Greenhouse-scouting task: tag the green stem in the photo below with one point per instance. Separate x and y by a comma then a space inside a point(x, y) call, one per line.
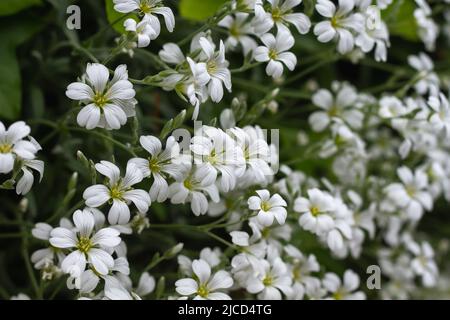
point(221, 240)
point(117, 50)
point(200, 228)
point(26, 257)
point(246, 67)
point(153, 264)
point(404, 90)
point(60, 213)
point(57, 290)
point(83, 130)
point(211, 22)
point(310, 69)
point(153, 57)
point(101, 135)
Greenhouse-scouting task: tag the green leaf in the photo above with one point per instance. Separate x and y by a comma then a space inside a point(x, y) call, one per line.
point(173, 124)
point(8, 184)
point(160, 287)
point(193, 10)
point(10, 87)
point(115, 18)
point(9, 7)
point(400, 19)
point(19, 30)
point(309, 7)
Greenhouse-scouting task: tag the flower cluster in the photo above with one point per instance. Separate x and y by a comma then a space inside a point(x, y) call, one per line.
point(92, 254)
point(18, 155)
point(149, 27)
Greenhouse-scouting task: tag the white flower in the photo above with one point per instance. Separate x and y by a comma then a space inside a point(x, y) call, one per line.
point(440, 117)
point(429, 81)
point(256, 153)
point(268, 207)
point(239, 32)
point(343, 291)
point(172, 54)
point(275, 52)
point(89, 246)
point(114, 290)
point(107, 104)
point(211, 256)
point(149, 9)
point(280, 13)
point(20, 296)
point(383, 4)
point(205, 286)
point(400, 273)
point(392, 107)
point(215, 152)
point(423, 264)
point(342, 139)
point(301, 269)
point(143, 31)
point(195, 87)
point(44, 259)
point(412, 194)
point(428, 30)
point(161, 165)
point(215, 69)
point(374, 37)
point(12, 145)
point(342, 22)
point(271, 279)
point(227, 118)
point(192, 188)
point(343, 222)
point(316, 211)
point(340, 107)
point(247, 261)
point(118, 191)
point(146, 285)
point(26, 181)
point(245, 5)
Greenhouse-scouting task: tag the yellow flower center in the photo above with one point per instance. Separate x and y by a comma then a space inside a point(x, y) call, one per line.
point(145, 7)
point(333, 111)
point(188, 184)
point(268, 280)
point(277, 15)
point(84, 244)
point(154, 166)
point(202, 291)
point(211, 66)
point(265, 233)
point(247, 154)
point(335, 22)
point(116, 192)
point(234, 30)
point(296, 273)
point(315, 211)
point(411, 191)
point(265, 206)
point(340, 140)
point(5, 148)
point(273, 54)
point(338, 295)
point(212, 158)
point(100, 99)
